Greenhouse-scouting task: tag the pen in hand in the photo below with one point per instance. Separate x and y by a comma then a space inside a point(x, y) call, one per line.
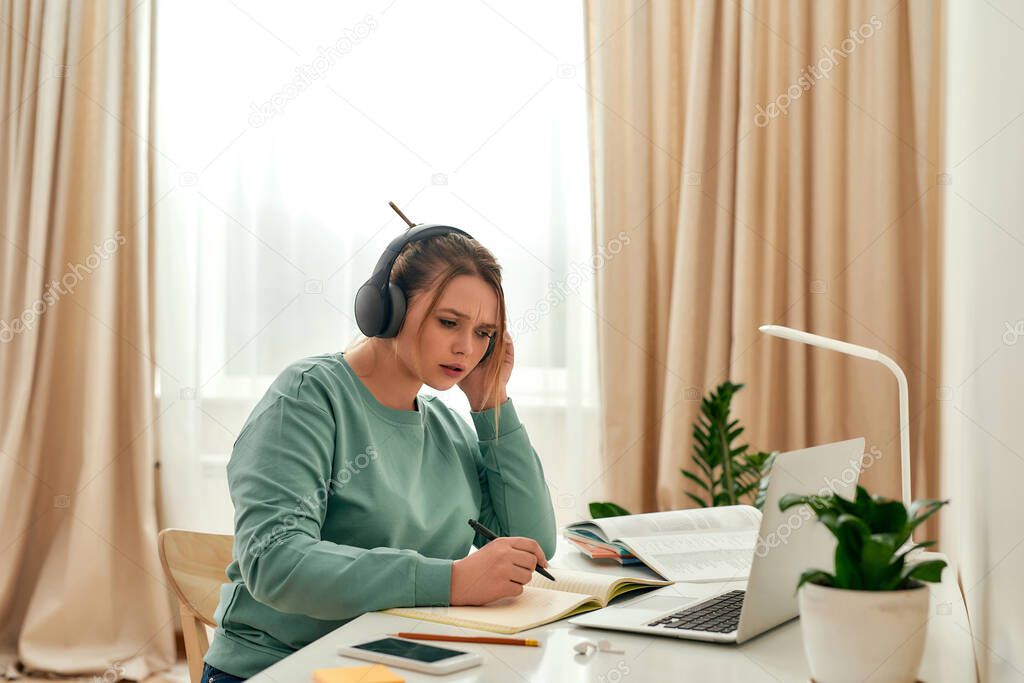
point(490, 536)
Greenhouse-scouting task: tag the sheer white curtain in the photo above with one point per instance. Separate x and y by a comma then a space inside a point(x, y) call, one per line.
point(281, 135)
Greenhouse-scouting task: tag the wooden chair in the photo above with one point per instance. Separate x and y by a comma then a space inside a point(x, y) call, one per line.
point(194, 564)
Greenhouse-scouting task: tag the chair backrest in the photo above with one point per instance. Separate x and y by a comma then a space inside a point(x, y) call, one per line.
point(194, 563)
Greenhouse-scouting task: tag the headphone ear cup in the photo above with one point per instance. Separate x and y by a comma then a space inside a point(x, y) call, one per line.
point(369, 311)
point(393, 325)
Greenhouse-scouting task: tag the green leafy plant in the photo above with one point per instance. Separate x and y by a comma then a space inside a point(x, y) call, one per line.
point(599, 509)
point(726, 473)
point(870, 531)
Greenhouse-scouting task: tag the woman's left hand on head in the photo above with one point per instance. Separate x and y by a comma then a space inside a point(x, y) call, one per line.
point(476, 385)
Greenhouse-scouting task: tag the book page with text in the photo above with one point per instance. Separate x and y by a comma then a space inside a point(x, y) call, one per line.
point(694, 519)
point(697, 555)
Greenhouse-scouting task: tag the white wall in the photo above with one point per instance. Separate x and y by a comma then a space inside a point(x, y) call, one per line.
point(983, 405)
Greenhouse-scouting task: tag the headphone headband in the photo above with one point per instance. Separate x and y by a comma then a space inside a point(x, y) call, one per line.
point(382, 271)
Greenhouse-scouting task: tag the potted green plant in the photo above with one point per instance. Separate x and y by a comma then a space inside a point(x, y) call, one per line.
point(867, 617)
point(727, 472)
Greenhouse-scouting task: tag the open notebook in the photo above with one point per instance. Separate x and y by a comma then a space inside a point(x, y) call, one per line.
point(699, 544)
point(541, 602)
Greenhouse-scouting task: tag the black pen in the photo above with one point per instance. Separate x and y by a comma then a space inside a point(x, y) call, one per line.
point(490, 536)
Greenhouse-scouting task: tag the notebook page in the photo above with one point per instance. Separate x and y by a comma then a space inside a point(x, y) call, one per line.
point(573, 581)
point(670, 521)
point(600, 586)
point(697, 555)
point(507, 615)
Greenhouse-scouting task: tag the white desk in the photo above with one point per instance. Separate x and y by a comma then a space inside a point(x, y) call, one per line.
point(777, 655)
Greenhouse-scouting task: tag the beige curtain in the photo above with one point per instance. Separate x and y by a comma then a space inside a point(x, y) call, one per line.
point(757, 190)
point(81, 589)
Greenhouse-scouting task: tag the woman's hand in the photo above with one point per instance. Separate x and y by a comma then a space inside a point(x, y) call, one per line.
point(475, 383)
point(498, 570)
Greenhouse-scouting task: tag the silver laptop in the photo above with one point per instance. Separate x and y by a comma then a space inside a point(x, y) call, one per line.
point(788, 543)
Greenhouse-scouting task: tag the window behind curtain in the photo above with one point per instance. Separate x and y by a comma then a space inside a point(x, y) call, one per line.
point(283, 130)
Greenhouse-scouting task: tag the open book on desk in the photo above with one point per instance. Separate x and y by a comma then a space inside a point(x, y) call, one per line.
point(699, 544)
point(541, 602)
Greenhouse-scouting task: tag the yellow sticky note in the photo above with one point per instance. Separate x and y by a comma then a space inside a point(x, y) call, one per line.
point(372, 673)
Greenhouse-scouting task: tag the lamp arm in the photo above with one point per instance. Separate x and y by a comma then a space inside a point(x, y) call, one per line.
point(866, 353)
point(904, 391)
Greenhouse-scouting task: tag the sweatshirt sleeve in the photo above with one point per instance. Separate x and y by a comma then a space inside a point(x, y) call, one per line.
point(516, 501)
point(281, 461)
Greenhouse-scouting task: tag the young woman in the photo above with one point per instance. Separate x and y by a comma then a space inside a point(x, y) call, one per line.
point(352, 492)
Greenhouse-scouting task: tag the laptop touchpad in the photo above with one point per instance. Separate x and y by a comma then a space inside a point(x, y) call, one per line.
point(658, 604)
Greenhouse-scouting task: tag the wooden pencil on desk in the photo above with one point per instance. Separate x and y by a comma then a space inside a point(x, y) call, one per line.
point(490, 640)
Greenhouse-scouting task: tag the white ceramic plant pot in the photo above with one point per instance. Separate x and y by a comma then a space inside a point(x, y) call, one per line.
point(856, 636)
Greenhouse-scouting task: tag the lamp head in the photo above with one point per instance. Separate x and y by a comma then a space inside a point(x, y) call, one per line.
point(821, 342)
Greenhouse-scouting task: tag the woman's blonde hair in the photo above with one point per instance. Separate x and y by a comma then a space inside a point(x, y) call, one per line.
point(433, 263)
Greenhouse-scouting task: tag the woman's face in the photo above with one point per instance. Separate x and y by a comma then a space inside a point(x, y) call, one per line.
point(455, 336)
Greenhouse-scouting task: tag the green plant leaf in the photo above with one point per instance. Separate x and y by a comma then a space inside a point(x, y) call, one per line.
point(600, 509)
point(919, 512)
point(925, 506)
point(792, 499)
point(817, 576)
point(922, 510)
point(892, 577)
point(766, 474)
point(723, 498)
point(852, 532)
point(887, 517)
point(821, 505)
point(846, 506)
point(745, 489)
point(704, 466)
point(863, 502)
point(922, 544)
point(930, 570)
point(876, 558)
point(745, 477)
point(697, 480)
point(830, 518)
point(699, 501)
point(847, 570)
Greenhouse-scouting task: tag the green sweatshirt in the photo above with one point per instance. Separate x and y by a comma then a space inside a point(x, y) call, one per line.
point(345, 506)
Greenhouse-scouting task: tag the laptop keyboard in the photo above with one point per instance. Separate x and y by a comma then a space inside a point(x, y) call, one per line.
point(720, 614)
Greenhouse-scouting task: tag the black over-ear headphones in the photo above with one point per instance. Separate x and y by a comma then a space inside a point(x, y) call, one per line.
point(380, 303)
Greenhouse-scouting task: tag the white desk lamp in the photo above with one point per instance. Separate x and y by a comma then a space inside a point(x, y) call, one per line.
point(870, 354)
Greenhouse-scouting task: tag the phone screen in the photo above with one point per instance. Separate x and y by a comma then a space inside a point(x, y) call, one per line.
point(409, 650)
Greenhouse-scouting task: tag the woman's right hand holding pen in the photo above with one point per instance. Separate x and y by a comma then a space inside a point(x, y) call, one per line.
point(498, 570)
